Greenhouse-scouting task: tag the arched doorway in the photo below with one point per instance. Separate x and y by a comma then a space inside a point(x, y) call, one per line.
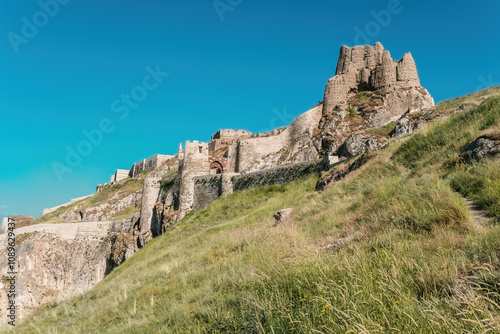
point(217, 166)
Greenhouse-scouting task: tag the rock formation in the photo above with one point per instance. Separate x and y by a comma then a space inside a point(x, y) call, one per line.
point(369, 90)
point(57, 261)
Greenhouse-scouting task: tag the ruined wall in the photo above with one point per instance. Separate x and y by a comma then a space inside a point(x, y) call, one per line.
point(210, 187)
point(276, 175)
point(217, 164)
point(224, 138)
point(150, 191)
point(120, 174)
point(194, 163)
point(49, 210)
point(251, 151)
point(293, 145)
point(149, 164)
point(206, 190)
point(369, 68)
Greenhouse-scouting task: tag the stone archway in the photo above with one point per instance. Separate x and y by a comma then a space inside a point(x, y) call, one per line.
point(217, 166)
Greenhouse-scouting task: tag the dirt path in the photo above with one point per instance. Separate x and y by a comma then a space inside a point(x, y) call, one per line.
point(478, 215)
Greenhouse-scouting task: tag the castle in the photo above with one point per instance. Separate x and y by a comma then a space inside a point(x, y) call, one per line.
point(369, 90)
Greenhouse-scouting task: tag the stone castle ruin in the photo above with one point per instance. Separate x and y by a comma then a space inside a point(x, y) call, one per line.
point(369, 90)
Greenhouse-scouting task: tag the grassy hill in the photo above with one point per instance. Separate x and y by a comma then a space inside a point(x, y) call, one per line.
point(393, 247)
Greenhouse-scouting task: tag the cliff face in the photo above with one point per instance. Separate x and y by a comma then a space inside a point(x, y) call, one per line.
point(57, 261)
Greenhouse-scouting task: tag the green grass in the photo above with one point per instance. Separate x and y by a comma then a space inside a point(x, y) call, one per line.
point(476, 97)
point(350, 112)
point(481, 183)
point(442, 142)
point(411, 260)
point(383, 131)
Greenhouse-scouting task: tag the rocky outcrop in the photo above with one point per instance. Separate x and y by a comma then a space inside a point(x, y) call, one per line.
point(482, 148)
point(57, 261)
point(359, 143)
point(339, 172)
point(369, 90)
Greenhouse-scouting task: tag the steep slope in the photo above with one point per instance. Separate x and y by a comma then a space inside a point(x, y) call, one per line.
point(390, 248)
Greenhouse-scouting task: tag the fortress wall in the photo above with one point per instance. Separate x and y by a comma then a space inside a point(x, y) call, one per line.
point(121, 174)
point(150, 192)
point(251, 151)
point(50, 210)
point(206, 190)
point(166, 195)
point(194, 163)
point(275, 175)
point(305, 123)
point(148, 164)
point(223, 138)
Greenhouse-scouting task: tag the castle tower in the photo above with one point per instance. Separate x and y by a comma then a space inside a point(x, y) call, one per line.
point(150, 191)
point(195, 163)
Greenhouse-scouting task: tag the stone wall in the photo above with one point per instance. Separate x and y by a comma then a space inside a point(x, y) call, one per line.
point(224, 138)
point(276, 175)
point(148, 164)
point(150, 191)
point(249, 152)
point(50, 210)
point(371, 68)
point(293, 145)
point(208, 188)
point(193, 163)
point(120, 174)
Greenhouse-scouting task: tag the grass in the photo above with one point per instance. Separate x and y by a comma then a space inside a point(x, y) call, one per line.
point(413, 261)
point(384, 131)
point(481, 183)
point(126, 186)
point(474, 98)
point(350, 113)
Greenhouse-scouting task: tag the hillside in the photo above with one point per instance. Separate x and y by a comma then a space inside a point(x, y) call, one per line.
point(406, 243)
point(112, 202)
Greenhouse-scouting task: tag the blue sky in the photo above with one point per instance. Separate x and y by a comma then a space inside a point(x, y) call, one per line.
point(247, 64)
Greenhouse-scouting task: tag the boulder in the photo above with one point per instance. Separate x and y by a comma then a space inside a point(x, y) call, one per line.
point(481, 148)
point(283, 216)
point(360, 143)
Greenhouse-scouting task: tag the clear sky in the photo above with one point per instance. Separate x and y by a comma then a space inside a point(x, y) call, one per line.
point(150, 74)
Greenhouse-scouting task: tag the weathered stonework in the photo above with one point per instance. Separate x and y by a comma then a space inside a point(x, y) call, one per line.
point(193, 163)
point(148, 165)
point(369, 90)
point(150, 191)
point(57, 261)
